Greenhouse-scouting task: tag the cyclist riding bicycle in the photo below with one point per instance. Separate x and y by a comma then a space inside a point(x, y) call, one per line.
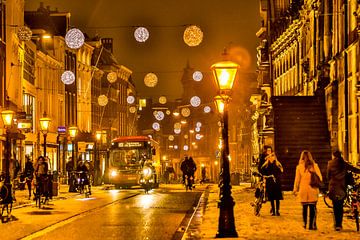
point(188, 167)
point(84, 174)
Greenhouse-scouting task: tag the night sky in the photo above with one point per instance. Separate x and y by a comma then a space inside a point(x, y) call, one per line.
point(228, 23)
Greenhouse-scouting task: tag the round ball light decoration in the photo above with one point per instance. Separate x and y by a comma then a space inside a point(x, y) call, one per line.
point(186, 136)
point(68, 77)
point(177, 130)
point(74, 38)
point(186, 147)
point(171, 137)
point(198, 136)
point(197, 76)
point(111, 77)
point(159, 115)
point(24, 33)
point(150, 80)
point(197, 129)
point(141, 34)
point(130, 99)
point(177, 125)
point(168, 112)
point(132, 109)
point(156, 126)
point(176, 146)
point(193, 36)
point(207, 109)
point(198, 124)
point(103, 100)
point(185, 112)
point(162, 100)
point(195, 101)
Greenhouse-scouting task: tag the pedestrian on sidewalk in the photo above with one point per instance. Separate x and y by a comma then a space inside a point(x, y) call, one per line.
point(29, 173)
point(273, 185)
point(307, 194)
point(69, 168)
point(336, 174)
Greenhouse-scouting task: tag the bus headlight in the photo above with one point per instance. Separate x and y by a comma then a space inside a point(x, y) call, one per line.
point(147, 172)
point(113, 173)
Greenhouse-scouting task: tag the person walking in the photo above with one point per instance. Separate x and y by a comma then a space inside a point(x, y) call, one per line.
point(29, 173)
point(69, 168)
point(188, 167)
point(307, 194)
point(336, 172)
point(273, 185)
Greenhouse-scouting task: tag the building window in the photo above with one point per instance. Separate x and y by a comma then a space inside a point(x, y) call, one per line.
point(29, 65)
point(29, 108)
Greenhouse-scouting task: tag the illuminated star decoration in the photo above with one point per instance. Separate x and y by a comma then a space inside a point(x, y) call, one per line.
point(24, 33)
point(195, 101)
point(185, 112)
point(207, 109)
point(103, 100)
point(159, 115)
point(68, 77)
point(193, 36)
point(141, 34)
point(130, 99)
point(74, 38)
point(111, 77)
point(150, 80)
point(197, 76)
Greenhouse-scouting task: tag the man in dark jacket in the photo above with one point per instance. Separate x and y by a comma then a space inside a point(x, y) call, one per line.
point(188, 167)
point(29, 173)
point(336, 171)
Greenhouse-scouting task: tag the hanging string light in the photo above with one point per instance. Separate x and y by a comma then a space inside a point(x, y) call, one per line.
point(197, 76)
point(207, 109)
point(68, 77)
point(185, 112)
point(150, 80)
point(162, 100)
point(130, 99)
point(74, 38)
point(103, 100)
point(111, 77)
point(156, 126)
point(141, 34)
point(24, 33)
point(193, 36)
point(195, 101)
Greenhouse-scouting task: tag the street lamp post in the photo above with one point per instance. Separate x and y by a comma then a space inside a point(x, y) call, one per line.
point(7, 117)
point(98, 136)
point(224, 74)
point(72, 132)
point(44, 128)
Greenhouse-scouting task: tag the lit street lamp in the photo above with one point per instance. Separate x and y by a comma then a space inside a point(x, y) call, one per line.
point(72, 132)
point(44, 128)
point(224, 75)
point(7, 117)
point(98, 136)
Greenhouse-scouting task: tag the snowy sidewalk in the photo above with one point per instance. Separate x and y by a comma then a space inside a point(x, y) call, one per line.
point(287, 226)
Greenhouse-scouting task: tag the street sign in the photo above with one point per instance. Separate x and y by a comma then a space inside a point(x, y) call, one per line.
point(62, 130)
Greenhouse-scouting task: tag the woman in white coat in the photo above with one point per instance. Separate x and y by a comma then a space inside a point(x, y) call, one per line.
point(307, 194)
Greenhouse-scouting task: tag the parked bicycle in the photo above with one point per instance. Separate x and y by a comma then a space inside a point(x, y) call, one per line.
point(260, 192)
point(6, 199)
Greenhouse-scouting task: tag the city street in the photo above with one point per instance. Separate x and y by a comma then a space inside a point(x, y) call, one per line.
point(108, 214)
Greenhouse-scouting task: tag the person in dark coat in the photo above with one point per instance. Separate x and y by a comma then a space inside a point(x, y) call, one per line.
point(336, 171)
point(267, 151)
point(29, 173)
point(273, 186)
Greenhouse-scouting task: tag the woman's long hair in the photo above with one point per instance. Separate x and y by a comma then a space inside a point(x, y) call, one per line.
point(307, 159)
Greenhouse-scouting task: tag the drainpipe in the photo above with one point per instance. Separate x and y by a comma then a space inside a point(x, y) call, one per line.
point(346, 98)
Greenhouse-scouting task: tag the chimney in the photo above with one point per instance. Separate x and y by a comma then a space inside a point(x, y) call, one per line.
point(107, 43)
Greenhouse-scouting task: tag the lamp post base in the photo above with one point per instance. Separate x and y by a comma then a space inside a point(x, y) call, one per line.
point(226, 227)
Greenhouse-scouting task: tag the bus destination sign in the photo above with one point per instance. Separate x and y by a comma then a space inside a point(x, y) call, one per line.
point(130, 144)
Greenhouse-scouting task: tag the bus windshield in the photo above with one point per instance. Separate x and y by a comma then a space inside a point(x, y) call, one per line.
point(127, 157)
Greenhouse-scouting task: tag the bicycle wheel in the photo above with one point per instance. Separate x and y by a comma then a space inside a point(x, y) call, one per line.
point(327, 200)
point(257, 207)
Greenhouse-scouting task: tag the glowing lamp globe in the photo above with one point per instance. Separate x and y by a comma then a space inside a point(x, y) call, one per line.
point(198, 124)
point(176, 146)
point(103, 100)
point(207, 109)
point(130, 99)
point(111, 77)
point(7, 117)
point(159, 115)
point(185, 112)
point(224, 74)
point(141, 34)
point(195, 101)
point(219, 102)
point(197, 76)
point(186, 147)
point(177, 130)
point(193, 36)
point(150, 80)
point(197, 129)
point(171, 138)
point(156, 126)
point(162, 100)
point(186, 136)
point(68, 77)
point(132, 109)
point(24, 33)
point(74, 38)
